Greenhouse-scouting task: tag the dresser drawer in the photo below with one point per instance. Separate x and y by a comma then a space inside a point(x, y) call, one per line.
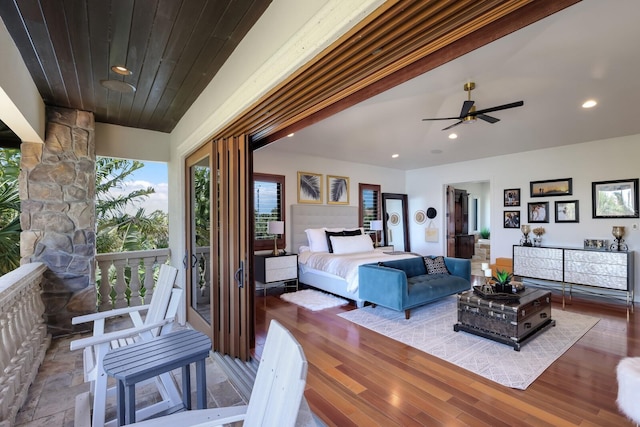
point(279, 274)
point(269, 268)
point(282, 261)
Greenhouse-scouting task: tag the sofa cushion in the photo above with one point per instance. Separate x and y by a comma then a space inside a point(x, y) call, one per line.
point(433, 286)
point(436, 265)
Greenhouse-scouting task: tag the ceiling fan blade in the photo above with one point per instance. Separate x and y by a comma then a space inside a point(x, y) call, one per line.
point(442, 118)
point(453, 125)
point(498, 108)
point(486, 118)
point(466, 107)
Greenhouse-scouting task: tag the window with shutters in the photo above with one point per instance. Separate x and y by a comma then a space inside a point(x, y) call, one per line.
point(269, 205)
point(370, 205)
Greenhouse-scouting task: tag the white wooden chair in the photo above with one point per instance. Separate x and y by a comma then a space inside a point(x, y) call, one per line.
point(159, 320)
point(275, 397)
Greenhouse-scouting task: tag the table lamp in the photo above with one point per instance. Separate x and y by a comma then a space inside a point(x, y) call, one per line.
point(376, 225)
point(276, 228)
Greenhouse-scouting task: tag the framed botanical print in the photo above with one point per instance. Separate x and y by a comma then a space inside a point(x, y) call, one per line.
point(309, 187)
point(337, 190)
point(538, 211)
point(567, 211)
point(615, 199)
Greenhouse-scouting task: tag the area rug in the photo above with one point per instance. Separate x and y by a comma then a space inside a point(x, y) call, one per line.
point(313, 300)
point(430, 329)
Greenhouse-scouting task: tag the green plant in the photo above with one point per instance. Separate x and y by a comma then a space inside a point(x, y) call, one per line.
point(502, 277)
point(484, 233)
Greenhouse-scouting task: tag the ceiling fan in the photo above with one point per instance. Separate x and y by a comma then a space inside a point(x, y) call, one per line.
point(468, 114)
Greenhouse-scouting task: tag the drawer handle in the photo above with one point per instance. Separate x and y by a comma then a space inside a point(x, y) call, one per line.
point(536, 303)
point(543, 315)
point(527, 325)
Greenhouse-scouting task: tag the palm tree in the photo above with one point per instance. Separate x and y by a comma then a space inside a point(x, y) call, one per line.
point(9, 210)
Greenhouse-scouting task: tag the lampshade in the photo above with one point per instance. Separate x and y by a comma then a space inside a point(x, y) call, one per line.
point(275, 227)
point(376, 225)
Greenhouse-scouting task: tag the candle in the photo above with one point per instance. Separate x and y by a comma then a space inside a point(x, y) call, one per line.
point(485, 265)
point(487, 272)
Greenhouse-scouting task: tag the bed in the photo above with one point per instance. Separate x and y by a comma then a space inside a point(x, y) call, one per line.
point(337, 272)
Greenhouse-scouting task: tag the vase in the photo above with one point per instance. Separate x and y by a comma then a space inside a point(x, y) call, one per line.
point(537, 241)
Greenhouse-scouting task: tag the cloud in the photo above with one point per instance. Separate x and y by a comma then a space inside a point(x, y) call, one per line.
point(156, 201)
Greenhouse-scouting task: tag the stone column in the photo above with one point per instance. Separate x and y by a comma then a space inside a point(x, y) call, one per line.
point(57, 192)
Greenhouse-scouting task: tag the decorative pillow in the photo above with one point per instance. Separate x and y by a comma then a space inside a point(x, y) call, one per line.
point(328, 233)
point(351, 244)
point(317, 239)
point(436, 265)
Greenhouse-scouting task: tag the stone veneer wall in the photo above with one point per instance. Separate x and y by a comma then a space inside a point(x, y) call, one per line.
point(57, 192)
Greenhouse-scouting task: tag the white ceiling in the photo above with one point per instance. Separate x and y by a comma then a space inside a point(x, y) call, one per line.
point(589, 50)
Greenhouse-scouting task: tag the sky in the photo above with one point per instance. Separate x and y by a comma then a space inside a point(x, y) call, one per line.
point(153, 174)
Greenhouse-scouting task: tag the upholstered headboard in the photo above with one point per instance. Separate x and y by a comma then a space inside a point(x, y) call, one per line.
point(318, 216)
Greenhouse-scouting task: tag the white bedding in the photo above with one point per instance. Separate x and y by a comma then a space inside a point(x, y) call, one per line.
point(345, 265)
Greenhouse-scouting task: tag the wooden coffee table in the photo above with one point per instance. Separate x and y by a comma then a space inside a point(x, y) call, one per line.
point(511, 323)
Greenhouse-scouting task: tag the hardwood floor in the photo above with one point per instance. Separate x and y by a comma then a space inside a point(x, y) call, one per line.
point(360, 378)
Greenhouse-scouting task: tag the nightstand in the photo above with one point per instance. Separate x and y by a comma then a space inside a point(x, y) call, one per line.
point(273, 269)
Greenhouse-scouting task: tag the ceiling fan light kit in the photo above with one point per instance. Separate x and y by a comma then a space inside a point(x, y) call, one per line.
point(469, 114)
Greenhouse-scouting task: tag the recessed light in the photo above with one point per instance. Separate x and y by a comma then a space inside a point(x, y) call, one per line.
point(395, 156)
point(123, 71)
point(453, 136)
point(290, 135)
point(589, 103)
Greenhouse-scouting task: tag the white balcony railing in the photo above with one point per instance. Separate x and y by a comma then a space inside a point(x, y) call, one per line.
point(130, 277)
point(23, 336)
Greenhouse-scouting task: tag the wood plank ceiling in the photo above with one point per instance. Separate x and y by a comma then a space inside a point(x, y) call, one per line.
point(173, 48)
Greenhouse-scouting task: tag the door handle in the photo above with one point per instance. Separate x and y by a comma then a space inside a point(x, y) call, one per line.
point(194, 260)
point(239, 276)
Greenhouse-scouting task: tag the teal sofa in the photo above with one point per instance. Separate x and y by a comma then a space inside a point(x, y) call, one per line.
point(404, 284)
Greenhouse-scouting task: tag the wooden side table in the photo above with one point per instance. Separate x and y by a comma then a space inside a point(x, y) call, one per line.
point(146, 359)
point(273, 269)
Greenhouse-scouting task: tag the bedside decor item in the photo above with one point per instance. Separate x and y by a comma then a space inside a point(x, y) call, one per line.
point(526, 229)
point(538, 231)
point(619, 244)
point(376, 225)
point(309, 187)
point(276, 228)
point(615, 199)
point(337, 190)
point(552, 187)
point(512, 197)
point(538, 211)
point(511, 219)
point(567, 211)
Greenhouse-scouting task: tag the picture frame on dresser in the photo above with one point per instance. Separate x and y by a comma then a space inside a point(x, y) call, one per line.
point(615, 199)
point(567, 211)
point(538, 212)
point(552, 187)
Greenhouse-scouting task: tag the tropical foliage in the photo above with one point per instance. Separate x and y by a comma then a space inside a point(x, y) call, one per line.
point(310, 186)
point(9, 210)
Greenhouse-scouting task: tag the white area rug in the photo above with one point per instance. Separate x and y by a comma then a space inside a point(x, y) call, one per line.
point(313, 300)
point(430, 329)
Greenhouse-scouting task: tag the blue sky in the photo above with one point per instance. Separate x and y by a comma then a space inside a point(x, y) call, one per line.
point(153, 174)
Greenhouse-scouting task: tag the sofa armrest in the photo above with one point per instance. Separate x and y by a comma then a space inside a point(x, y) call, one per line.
point(459, 267)
point(382, 285)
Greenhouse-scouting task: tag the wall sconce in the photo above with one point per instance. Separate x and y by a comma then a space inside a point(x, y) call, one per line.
point(618, 245)
point(276, 228)
point(376, 225)
point(526, 229)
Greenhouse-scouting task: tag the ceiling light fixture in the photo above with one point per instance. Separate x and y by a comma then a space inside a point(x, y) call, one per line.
point(290, 135)
point(123, 71)
point(395, 156)
point(453, 135)
point(589, 103)
point(118, 86)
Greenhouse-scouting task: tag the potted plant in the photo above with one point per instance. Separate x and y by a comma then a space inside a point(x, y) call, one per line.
point(502, 279)
point(485, 233)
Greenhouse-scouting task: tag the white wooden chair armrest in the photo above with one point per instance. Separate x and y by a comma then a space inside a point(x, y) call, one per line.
point(106, 314)
point(110, 336)
point(198, 417)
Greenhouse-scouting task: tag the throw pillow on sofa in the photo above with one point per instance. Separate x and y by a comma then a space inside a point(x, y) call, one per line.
point(436, 265)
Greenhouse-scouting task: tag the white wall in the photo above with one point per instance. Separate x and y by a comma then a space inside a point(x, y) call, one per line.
point(271, 160)
point(603, 160)
point(131, 143)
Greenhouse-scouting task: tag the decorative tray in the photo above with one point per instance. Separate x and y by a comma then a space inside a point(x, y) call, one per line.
point(498, 296)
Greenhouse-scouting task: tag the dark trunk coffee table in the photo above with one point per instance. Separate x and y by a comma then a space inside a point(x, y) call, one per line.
point(511, 323)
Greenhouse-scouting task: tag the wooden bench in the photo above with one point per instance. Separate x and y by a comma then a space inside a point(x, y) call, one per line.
point(147, 359)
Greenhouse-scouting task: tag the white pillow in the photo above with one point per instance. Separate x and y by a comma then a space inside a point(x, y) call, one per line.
point(317, 239)
point(351, 244)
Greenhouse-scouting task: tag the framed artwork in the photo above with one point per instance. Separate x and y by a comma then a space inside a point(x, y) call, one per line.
point(511, 219)
point(309, 187)
point(615, 199)
point(512, 197)
point(337, 190)
point(567, 211)
point(538, 211)
point(552, 187)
